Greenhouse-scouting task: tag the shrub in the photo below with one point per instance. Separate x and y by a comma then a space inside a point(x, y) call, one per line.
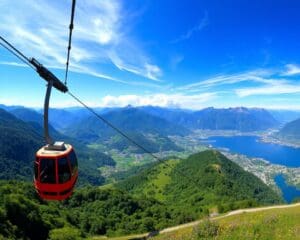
point(207, 229)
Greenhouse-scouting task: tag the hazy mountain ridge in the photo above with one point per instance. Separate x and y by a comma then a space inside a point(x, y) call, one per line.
point(238, 118)
point(163, 122)
point(148, 125)
point(285, 116)
point(290, 131)
point(135, 123)
point(241, 119)
point(18, 144)
point(35, 119)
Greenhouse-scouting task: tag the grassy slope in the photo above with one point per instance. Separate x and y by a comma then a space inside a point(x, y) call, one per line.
point(151, 182)
point(155, 186)
point(268, 224)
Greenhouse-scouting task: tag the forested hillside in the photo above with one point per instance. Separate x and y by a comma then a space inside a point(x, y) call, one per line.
point(18, 144)
point(203, 182)
point(90, 211)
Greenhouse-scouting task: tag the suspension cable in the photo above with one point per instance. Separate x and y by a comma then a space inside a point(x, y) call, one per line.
point(129, 138)
point(70, 39)
point(15, 52)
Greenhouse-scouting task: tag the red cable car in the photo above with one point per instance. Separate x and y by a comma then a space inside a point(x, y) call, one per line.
point(55, 167)
point(55, 171)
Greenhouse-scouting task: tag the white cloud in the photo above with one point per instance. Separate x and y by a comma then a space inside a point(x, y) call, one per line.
point(152, 71)
point(175, 61)
point(40, 29)
point(16, 64)
point(291, 69)
point(142, 68)
point(162, 100)
point(258, 76)
point(273, 89)
point(202, 24)
point(260, 82)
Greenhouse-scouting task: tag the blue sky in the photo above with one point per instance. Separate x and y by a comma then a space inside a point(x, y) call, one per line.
point(188, 54)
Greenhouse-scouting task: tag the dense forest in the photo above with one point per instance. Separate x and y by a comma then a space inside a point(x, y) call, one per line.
point(89, 211)
point(133, 205)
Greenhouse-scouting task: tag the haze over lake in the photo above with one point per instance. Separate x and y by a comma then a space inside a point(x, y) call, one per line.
point(251, 146)
point(288, 192)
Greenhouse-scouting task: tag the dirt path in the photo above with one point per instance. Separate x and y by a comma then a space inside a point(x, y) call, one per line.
point(235, 212)
point(191, 224)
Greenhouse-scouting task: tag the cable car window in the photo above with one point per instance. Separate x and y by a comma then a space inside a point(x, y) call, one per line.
point(73, 161)
point(36, 170)
point(64, 174)
point(47, 170)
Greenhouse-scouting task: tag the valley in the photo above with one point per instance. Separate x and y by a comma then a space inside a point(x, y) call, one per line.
point(199, 141)
point(192, 180)
point(162, 135)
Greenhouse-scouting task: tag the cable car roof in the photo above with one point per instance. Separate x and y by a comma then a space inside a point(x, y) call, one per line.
point(44, 152)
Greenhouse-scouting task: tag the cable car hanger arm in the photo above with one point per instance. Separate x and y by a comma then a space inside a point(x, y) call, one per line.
point(48, 76)
point(46, 111)
point(53, 81)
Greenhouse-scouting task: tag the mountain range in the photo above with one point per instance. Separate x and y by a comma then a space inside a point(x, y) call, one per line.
point(149, 125)
point(164, 122)
point(170, 121)
point(240, 118)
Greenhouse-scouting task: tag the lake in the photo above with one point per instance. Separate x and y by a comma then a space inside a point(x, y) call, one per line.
point(252, 147)
point(274, 153)
point(288, 192)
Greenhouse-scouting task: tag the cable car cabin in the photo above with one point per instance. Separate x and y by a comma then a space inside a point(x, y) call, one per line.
point(55, 171)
